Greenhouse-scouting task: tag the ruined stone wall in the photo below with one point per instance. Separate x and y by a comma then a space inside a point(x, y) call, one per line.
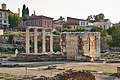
point(80, 44)
point(71, 45)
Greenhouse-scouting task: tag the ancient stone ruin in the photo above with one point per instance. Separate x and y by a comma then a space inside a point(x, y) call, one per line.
point(70, 75)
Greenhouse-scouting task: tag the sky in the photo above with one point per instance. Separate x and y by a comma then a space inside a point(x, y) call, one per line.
point(68, 8)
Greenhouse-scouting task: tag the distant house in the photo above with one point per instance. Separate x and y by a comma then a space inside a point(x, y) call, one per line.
point(4, 23)
point(58, 24)
point(105, 24)
point(83, 22)
point(72, 23)
point(40, 21)
point(75, 23)
point(116, 25)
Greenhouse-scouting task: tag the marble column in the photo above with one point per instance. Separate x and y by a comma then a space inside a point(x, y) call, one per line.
point(51, 41)
point(27, 41)
point(43, 41)
point(35, 41)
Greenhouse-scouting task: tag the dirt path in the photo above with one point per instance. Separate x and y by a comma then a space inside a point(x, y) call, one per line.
point(108, 68)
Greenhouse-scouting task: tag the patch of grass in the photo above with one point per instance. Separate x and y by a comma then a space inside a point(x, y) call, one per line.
point(115, 75)
point(115, 58)
point(6, 76)
point(6, 55)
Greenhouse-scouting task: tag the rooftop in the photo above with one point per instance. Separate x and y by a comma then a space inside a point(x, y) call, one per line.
point(76, 19)
point(40, 16)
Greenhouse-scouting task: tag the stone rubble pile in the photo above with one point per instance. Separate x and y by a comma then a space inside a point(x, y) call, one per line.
point(70, 75)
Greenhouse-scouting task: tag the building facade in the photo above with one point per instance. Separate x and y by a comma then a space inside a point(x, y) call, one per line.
point(104, 24)
point(4, 23)
point(40, 21)
point(75, 23)
point(83, 22)
point(76, 45)
point(72, 23)
point(58, 24)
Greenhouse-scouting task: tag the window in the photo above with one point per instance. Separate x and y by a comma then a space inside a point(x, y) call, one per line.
point(5, 21)
point(86, 23)
point(50, 22)
point(81, 23)
point(34, 23)
point(23, 23)
point(26, 23)
point(38, 23)
point(0, 14)
point(5, 15)
point(45, 22)
point(30, 23)
point(104, 27)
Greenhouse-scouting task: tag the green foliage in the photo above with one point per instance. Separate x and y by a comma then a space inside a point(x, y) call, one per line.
point(65, 30)
point(99, 17)
point(56, 33)
point(14, 20)
point(110, 30)
point(25, 12)
point(95, 18)
point(9, 33)
point(56, 49)
point(115, 42)
point(104, 33)
point(25, 17)
point(98, 29)
point(6, 76)
point(10, 40)
point(73, 30)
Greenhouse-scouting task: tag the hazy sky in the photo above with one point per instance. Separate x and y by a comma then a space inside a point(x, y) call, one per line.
point(68, 8)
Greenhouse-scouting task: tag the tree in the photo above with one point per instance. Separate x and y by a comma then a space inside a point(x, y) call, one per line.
point(10, 40)
point(25, 12)
point(94, 29)
point(115, 42)
point(95, 18)
point(101, 16)
point(61, 18)
point(14, 20)
point(98, 29)
point(90, 18)
point(110, 30)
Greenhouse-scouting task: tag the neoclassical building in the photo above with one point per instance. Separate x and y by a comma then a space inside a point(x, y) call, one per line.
point(4, 23)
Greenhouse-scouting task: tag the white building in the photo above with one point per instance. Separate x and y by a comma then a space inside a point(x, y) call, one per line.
point(83, 22)
point(4, 23)
point(105, 24)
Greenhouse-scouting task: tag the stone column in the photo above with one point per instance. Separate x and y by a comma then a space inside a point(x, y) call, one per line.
point(27, 41)
point(35, 41)
point(43, 41)
point(51, 41)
